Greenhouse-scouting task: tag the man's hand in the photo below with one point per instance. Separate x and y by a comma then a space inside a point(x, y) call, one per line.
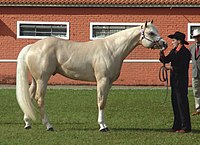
point(169, 68)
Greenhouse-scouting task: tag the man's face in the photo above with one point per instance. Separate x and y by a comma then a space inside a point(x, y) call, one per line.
point(175, 43)
point(197, 39)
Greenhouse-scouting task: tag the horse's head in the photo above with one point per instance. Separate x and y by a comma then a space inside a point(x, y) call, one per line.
point(150, 37)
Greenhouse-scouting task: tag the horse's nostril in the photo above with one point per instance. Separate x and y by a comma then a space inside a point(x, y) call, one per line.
point(165, 44)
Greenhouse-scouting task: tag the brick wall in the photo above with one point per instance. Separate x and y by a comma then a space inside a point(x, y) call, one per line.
point(165, 19)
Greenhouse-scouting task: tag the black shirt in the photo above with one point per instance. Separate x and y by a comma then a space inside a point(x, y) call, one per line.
point(179, 61)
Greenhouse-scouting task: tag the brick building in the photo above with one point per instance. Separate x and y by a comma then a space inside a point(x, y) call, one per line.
point(24, 22)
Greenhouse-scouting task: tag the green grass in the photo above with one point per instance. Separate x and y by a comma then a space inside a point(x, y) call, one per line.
point(137, 117)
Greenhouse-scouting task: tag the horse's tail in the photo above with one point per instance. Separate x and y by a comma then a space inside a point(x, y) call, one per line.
point(22, 85)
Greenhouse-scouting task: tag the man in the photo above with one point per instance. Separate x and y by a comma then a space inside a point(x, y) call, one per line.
point(179, 57)
point(194, 49)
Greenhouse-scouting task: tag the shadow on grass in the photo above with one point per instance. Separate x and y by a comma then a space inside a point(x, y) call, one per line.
point(130, 130)
point(73, 123)
point(150, 130)
point(10, 123)
point(73, 128)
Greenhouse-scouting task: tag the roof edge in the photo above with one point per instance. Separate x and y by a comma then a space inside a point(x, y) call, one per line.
point(102, 5)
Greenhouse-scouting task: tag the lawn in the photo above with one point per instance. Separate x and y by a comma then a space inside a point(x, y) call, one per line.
point(134, 116)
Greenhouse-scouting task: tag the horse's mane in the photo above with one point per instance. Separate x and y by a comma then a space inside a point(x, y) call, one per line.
point(123, 31)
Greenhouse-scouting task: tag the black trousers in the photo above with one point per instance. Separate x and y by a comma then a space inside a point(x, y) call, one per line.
point(180, 104)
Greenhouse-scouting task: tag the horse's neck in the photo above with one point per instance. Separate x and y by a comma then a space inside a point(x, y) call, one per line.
point(124, 42)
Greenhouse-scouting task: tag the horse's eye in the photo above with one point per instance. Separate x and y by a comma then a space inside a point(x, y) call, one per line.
point(152, 33)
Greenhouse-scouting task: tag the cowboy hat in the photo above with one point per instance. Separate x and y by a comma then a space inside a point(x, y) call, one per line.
point(196, 32)
point(179, 36)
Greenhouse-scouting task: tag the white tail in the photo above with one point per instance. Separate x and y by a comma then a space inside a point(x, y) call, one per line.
point(22, 85)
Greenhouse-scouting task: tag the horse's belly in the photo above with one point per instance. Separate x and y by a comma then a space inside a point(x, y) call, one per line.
point(79, 76)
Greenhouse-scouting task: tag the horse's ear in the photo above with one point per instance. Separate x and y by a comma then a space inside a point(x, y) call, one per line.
point(145, 24)
point(151, 21)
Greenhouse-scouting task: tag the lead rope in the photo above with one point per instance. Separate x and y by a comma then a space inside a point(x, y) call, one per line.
point(163, 77)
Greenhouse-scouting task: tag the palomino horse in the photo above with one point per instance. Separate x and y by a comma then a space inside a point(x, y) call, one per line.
point(97, 61)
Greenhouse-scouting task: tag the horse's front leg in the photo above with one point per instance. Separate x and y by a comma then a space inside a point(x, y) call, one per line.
point(103, 87)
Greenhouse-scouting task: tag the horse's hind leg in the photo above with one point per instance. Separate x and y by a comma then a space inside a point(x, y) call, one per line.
point(103, 87)
point(32, 91)
point(40, 93)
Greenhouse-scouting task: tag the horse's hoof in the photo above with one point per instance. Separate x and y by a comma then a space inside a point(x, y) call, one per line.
point(104, 129)
point(107, 129)
point(50, 129)
point(27, 127)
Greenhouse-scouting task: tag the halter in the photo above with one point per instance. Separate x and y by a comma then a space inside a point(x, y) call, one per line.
point(154, 42)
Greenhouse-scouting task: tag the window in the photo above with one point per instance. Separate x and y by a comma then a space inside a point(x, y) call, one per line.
point(191, 27)
point(101, 30)
point(39, 30)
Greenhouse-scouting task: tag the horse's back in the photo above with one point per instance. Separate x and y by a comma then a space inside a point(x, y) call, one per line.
point(58, 45)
